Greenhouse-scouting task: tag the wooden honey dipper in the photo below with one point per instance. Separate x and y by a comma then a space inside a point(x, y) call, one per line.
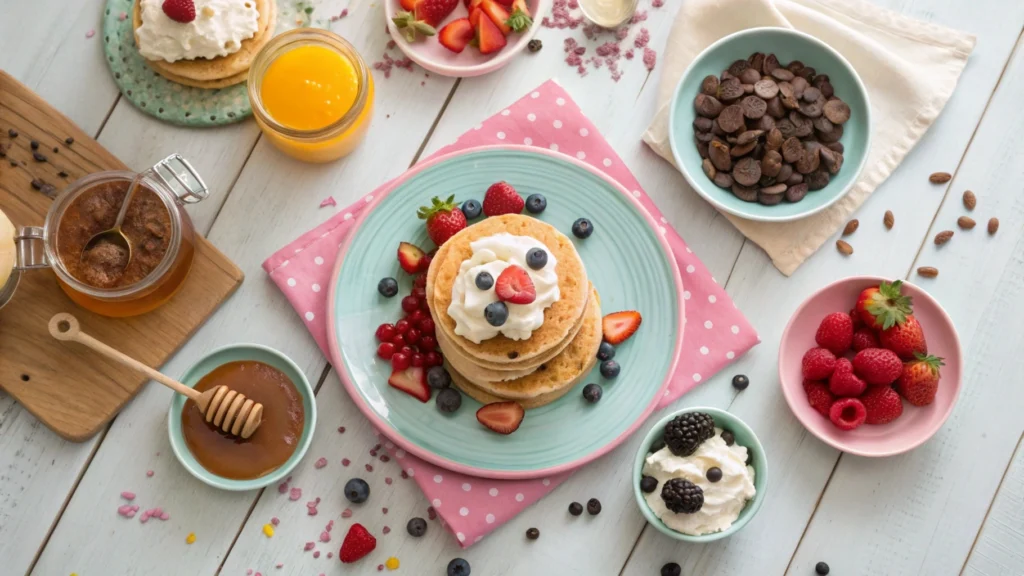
point(228, 410)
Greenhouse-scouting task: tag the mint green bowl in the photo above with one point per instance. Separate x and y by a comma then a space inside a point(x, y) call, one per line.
point(744, 437)
point(219, 357)
point(787, 45)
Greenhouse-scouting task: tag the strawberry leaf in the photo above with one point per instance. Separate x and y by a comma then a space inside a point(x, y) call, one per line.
point(519, 21)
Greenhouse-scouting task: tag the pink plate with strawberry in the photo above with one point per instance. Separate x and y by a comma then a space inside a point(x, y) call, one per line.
point(871, 367)
point(463, 38)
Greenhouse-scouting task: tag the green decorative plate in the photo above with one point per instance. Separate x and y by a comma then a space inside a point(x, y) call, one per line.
point(627, 259)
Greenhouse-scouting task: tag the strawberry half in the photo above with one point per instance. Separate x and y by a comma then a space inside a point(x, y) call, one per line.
point(424, 18)
point(489, 40)
point(455, 36)
point(498, 15)
point(410, 257)
point(501, 197)
point(619, 326)
point(501, 417)
point(183, 11)
point(412, 381)
point(515, 286)
point(444, 219)
point(357, 544)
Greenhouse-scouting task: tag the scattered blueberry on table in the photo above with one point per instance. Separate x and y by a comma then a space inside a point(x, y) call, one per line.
point(416, 527)
point(740, 382)
point(671, 569)
point(357, 490)
point(575, 509)
point(458, 567)
point(821, 568)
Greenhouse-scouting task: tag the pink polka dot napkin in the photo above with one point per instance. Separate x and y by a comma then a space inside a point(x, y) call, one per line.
point(715, 334)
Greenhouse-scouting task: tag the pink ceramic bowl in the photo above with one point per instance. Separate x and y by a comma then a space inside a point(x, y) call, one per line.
point(431, 55)
point(917, 424)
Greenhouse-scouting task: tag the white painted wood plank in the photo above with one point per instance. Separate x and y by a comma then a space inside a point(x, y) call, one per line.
point(273, 201)
point(999, 550)
point(800, 464)
point(927, 506)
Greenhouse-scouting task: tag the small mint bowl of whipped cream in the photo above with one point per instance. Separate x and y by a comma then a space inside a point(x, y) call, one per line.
point(700, 475)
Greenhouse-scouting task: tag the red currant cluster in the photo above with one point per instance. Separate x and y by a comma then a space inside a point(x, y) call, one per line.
point(411, 340)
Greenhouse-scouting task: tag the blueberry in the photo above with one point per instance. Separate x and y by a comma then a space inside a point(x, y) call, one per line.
point(537, 258)
point(416, 527)
point(496, 313)
point(438, 378)
point(387, 287)
point(728, 437)
point(484, 281)
point(593, 506)
point(610, 368)
point(605, 352)
point(536, 203)
point(458, 567)
point(592, 393)
point(472, 209)
point(448, 400)
point(671, 569)
point(714, 474)
point(582, 228)
point(575, 509)
point(740, 382)
point(821, 568)
point(648, 484)
point(357, 490)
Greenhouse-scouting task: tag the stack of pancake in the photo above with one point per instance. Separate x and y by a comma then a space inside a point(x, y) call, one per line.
point(557, 356)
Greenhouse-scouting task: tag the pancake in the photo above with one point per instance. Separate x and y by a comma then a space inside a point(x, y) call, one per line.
point(559, 318)
point(221, 71)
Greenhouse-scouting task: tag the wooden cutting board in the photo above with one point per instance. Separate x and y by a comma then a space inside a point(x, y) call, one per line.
point(71, 390)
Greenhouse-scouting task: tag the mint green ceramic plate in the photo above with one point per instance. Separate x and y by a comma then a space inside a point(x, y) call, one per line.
point(204, 366)
point(787, 45)
point(627, 259)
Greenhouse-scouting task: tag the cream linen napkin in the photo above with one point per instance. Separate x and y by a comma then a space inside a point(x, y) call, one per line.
point(880, 44)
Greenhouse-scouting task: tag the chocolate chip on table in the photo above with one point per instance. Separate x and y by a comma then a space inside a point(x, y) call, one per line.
point(709, 85)
point(837, 111)
point(11, 132)
point(38, 157)
point(33, 144)
point(62, 174)
point(753, 107)
point(575, 509)
point(940, 177)
point(844, 247)
point(535, 45)
point(745, 193)
point(56, 150)
point(532, 533)
point(746, 172)
point(928, 271)
point(671, 569)
point(993, 226)
point(36, 184)
point(796, 192)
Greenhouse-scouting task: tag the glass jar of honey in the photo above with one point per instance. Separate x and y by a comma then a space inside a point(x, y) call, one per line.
point(113, 278)
point(311, 94)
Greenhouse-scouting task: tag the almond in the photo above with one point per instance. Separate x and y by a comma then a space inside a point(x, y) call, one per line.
point(844, 247)
point(888, 220)
point(993, 225)
point(943, 237)
point(940, 177)
point(965, 222)
point(928, 271)
point(970, 201)
point(851, 227)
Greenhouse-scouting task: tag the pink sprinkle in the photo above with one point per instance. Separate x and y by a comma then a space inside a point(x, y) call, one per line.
point(629, 54)
point(344, 13)
point(294, 493)
point(642, 38)
point(90, 33)
point(275, 521)
point(122, 16)
point(373, 452)
point(345, 461)
point(316, 553)
point(279, 565)
point(330, 525)
point(346, 513)
point(423, 82)
point(638, 16)
point(391, 44)
point(431, 513)
point(621, 33)
point(658, 3)
point(258, 574)
point(384, 510)
point(330, 554)
point(580, 51)
point(388, 480)
point(282, 487)
point(309, 546)
point(321, 462)
point(405, 475)
point(380, 567)
point(369, 468)
point(329, 201)
point(341, 429)
point(325, 536)
point(248, 572)
point(128, 495)
point(165, 516)
point(650, 58)
point(573, 4)
point(127, 510)
point(385, 458)
point(149, 473)
point(385, 529)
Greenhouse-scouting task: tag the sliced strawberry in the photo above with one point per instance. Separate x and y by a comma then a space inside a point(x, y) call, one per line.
point(408, 5)
point(410, 257)
point(474, 18)
point(498, 15)
point(357, 544)
point(505, 3)
point(501, 417)
point(515, 286)
point(618, 326)
point(520, 5)
point(519, 20)
point(489, 38)
point(455, 36)
point(412, 381)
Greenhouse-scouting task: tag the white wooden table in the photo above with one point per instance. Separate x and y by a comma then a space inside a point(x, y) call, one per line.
point(954, 505)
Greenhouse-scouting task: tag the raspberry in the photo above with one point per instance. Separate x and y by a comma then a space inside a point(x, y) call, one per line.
point(882, 405)
point(857, 321)
point(847, 413)
point(819, 396)
point(385, 332)
point(863, 338)
point(835, 333)
point(877, 366)
point(844, 382)
point(818, 364)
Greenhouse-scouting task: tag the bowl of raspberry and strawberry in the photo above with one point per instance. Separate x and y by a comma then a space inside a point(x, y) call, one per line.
point(871, 366)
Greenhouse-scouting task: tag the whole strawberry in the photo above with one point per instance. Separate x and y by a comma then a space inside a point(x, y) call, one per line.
point(502, 198)
point(818, 364)
point(835, 332)
point(857, 322)
point(863, 338)
point(844, 382)
point(920, 380)
point(883, 306)
point(906, 339)
point(183, 11)
point(877, 366)
point(424, 18)
point(883, 405)
point(444, 219)
point(818, 396)
point(357, 544)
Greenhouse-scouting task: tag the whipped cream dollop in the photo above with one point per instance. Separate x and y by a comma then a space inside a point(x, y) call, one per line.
point(219, 28)
point(723, 500)
point(492, 254)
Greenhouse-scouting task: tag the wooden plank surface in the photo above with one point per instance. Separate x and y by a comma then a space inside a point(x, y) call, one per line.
point(999, 549)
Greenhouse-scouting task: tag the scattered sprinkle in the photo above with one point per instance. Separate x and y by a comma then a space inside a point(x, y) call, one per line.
point(122, 16)
point(346, 513)
point(330, 555)
point(128, 495)
point(90, 33)
point(325, 536)
point(341, 429)
point(380, 567)
point(320, 463)
point(268, 530)
point(330, 526)
point(345, 461)
point(275, 521)
point(294, 493)
point(384, 510)
point(149, 473)
point(191, 538)
point(431, 513)
point(386, 529)
point(388, 480)
point(316, 553)
point(369, 468)
point(279, 565)
point(329, 201)
point(127, 510)
point(392, 563)
point(309, 546)
point(405, 475)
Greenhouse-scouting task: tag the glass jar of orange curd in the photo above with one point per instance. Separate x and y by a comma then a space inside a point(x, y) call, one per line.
point(311, 94)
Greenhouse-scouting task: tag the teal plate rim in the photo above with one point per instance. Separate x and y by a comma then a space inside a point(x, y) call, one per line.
point(409, 445)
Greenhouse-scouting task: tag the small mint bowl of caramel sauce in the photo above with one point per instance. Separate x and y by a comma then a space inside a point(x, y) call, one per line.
point(272, 452)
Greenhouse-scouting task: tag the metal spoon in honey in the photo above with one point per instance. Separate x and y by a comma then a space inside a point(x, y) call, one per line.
point(114, 235)
point(228, 410)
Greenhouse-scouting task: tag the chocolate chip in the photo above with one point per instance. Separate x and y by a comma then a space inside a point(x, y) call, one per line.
point(782, 74)
point(756, 61)
point(723, 180)
point(69, 140)
point(811, 159)
point(796, 193)
point(532, 533)
point(745, 193)
point(38, 157)
point(707, 106)
point(766, 123)
point(56, 150)
point(837, 111)
point(748, 136)
point(775, 108)
point(753, 107)
point(737, 67)
point(769, 199)
point(811, 94)
point(593, 506)
point(702, 124)
point(766, 88)
point(799, 85)
point(709, 169)
point(833, 160)
point(12, 132)
point(750, 76)
point(731, 118)
point(575, 509)
point(709, 85)
point(785, 172)
point(730, 89)
point(535, 45)
point(802, 126)
point(718, 153)
point(36, 184)
point(33, 145)
point(817, 180)
point(742, 149)
point(62, 174)
point(770, 64)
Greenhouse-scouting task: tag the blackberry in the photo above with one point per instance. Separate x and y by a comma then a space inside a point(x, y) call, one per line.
point(682, 496)
point(684, 433)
